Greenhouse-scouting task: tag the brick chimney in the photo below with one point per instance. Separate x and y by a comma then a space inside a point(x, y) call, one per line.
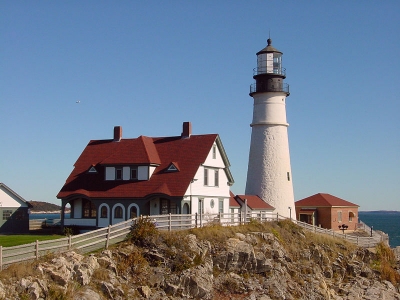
point(186, 130)
point(117, 133)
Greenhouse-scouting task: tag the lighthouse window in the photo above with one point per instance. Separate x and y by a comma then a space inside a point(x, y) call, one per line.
point(288, 176)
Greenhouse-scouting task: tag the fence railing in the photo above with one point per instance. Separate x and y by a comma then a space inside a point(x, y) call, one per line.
point(104, 237)
point(365, 242)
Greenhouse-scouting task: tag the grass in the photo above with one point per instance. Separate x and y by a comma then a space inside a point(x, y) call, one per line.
point(20, 239)
point(385, 263)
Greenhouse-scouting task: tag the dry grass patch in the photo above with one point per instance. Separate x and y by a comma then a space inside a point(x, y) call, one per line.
point(385, 263)
point(101, 274)
point(18, 271)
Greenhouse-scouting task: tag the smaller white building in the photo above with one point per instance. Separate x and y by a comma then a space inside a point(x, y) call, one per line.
point(14, 211)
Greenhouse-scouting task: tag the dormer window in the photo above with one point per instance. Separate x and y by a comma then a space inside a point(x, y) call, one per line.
point(92, 170)
point(126, 173)
point(118, 173)
point(134, 173)
point(172, 168)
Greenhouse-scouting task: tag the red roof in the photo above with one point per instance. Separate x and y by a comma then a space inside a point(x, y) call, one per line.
point(255, 202)
point(323, 200)
point(187, 154)
point(232, 201)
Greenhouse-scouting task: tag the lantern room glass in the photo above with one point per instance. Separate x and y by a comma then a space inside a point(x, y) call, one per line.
point(269, 63)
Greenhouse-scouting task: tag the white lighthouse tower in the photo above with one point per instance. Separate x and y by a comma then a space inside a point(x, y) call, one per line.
point(269, 173)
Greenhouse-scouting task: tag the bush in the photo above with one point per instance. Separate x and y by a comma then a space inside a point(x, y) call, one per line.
point(143, 232)
point(71, 230)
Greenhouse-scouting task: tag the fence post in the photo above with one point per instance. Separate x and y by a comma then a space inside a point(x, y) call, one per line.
point(1, 258)
point(169, 222)
point(108, 236)
point(277, 217)
point(220, 217)
point(37, 249)
point(357, 240)
point(70, 242)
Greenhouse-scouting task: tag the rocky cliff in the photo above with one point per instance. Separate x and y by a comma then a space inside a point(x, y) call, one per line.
point(258, 261)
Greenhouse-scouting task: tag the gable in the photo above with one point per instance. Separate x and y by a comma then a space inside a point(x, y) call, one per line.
point(8, 198)
point(217, 157)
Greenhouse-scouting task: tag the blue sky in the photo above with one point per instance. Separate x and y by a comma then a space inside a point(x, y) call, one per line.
point(148, 66)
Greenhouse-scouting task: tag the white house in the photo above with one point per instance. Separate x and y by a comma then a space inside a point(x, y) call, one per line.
point(116, 179)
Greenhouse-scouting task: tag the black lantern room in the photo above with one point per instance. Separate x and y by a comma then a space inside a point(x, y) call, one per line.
point(269, 74)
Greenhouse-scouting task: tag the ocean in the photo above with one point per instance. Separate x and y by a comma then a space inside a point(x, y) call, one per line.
point(386, 221)
point(46, 216)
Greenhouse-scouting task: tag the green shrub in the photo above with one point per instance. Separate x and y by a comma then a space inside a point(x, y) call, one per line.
point(143, 232)
point(71, 230)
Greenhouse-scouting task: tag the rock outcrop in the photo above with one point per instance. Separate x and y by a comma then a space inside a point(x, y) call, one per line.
point(246, 266)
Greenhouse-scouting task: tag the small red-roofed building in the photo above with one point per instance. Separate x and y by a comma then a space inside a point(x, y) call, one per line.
point(234, 208)
point(256, 207)
point(117, 179)
point(327, 211)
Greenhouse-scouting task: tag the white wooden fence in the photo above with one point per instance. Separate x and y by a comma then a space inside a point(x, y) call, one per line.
point(103, 237)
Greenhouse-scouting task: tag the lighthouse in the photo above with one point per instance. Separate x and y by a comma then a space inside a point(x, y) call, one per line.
point(269, 173)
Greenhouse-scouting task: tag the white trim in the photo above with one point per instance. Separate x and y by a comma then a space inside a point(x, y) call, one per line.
point(117, 220)
point(104, 222)
point(129, 210)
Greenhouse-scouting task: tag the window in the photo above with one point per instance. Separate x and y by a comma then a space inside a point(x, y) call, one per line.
point(339, 216)
point(133, 212)
point(212, 203)
point(134, 173)
point(104, 212)
point(205, 176)
point(88, 209)
point(173, 208)
point(214, 152)
point(201, 206)
point(118, 212)
point(118, 173)
point(221, 205)
point(168, 207)
point(164, 206)
point(172, 168)
point(7, 214)
point(216, 178)
point(288, 176)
